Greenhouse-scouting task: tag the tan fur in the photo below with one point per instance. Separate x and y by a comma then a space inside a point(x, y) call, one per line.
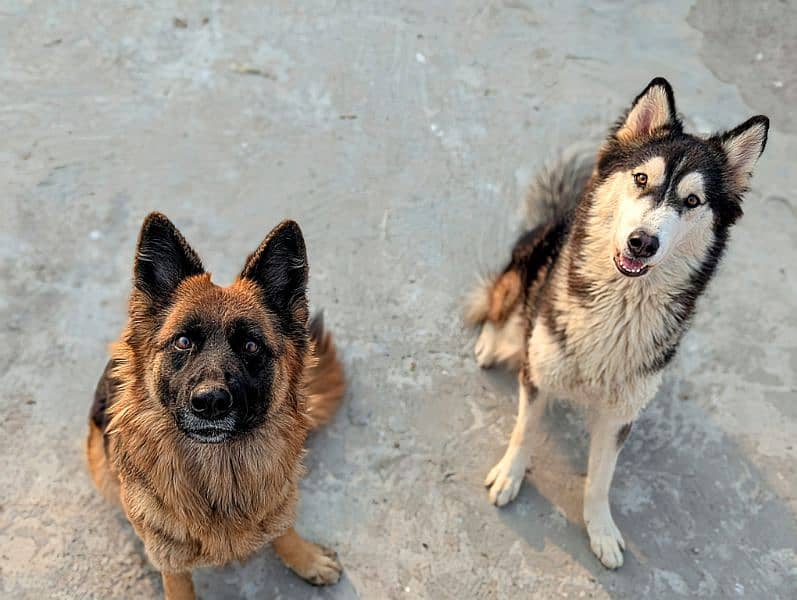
point(207, 504)
point(311, 562)
point(105, 480)
point(504, 296)
point(477, 304)
point(178, 586)
point(324, 380)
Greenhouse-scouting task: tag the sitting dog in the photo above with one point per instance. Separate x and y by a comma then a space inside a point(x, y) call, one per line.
point(599, 292)
point(199, 420)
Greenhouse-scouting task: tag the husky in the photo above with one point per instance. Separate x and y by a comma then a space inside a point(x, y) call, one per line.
point(600, 289)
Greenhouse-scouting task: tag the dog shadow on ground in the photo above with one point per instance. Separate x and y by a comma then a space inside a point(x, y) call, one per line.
point(698, 518)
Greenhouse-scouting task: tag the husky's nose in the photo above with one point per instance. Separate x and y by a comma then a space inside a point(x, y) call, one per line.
point(641, 244)
point(211, 402)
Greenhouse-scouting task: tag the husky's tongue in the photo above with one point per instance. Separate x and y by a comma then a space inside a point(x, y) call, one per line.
point(631, 264)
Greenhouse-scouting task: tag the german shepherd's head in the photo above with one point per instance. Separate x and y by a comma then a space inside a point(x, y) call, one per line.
point(663, 199)
point(219, 359)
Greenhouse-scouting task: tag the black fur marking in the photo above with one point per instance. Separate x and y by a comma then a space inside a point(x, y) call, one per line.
point(163, 260)
point(524, 379)
point(133, 474)
point(279, 267)
point(104, 396)
point(533, 257)
point(623, 434)
point(662, 359)
point(164, 537)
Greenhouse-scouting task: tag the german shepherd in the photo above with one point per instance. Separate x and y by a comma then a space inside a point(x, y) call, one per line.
point(598, 293)
point(199, 420)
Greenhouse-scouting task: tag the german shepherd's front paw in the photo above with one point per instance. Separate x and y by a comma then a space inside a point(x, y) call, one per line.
point(314, 563)
point(505, 478)
point(320, 567)
point(606, 541)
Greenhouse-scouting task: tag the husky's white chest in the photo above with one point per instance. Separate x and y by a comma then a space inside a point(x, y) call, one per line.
point(603, 354)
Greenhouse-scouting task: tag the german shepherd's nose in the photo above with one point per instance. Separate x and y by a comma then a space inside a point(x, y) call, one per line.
point(211, 402)
point(641, 244)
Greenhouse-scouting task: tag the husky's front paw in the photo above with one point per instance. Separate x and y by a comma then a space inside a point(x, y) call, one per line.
point(486, 346)
point(505, 478)
point(605, 539)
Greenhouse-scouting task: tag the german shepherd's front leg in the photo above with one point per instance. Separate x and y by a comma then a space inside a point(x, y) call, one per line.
point(178, 586)
point(607, 437)
point(505, 478)
point(313, 563)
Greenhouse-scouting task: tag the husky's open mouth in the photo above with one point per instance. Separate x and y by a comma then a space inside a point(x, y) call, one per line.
point(630, 267)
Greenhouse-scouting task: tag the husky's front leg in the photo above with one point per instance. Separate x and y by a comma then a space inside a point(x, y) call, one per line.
point(606, 440)
point(505, 478)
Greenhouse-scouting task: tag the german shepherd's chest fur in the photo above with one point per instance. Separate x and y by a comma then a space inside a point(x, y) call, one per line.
point(203, 505)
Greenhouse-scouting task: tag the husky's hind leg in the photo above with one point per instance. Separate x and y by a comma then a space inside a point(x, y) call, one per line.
point(501, 343)
point(497, 306)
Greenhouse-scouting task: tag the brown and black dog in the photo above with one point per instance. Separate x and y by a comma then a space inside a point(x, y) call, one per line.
point(200, 418)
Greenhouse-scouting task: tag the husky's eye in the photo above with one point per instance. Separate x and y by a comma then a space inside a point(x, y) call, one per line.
point(640, 179)
point(251, 346)
point(692, 201)
point(183, 342)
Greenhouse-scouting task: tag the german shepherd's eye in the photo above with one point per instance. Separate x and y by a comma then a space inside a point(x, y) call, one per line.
point(692, 201)
point(183, 342)
point(251, 347)
point(640, 179)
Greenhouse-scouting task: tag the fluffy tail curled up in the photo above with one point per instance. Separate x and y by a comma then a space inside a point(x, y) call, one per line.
point(557, 188)
point(551, 198)
point(324, 380)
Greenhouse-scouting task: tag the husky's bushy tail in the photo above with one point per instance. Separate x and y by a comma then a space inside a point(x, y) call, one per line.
point(323, 375)
point(558, 186)
point(551, 198)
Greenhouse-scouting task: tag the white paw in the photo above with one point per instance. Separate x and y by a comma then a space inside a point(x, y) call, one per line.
point(605, 540)
point(505, 478)
point(485, 349)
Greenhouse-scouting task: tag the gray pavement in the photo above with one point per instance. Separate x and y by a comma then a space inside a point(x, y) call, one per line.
point(401, 140)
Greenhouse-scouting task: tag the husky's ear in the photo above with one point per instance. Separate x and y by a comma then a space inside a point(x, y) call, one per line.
point(742, 146)
point(279, 267)
point(163, 258)
point(653, 111)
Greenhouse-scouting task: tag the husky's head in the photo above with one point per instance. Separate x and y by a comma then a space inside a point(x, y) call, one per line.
point(669, 197)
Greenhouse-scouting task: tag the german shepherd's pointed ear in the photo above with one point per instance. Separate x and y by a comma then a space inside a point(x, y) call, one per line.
point(163, 259)
point(279, 267)
point(652, 113)
point(742, 146)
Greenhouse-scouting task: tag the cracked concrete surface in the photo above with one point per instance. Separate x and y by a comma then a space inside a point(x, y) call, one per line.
point(400, 139)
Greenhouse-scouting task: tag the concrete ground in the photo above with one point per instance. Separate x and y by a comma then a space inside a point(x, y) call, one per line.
point(401, 140)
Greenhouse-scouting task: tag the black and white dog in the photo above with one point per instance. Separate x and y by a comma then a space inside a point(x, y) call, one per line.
point(600, 290)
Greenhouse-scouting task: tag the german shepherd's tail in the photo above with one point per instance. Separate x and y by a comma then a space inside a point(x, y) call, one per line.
point(550, 201)
point(324, 381)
